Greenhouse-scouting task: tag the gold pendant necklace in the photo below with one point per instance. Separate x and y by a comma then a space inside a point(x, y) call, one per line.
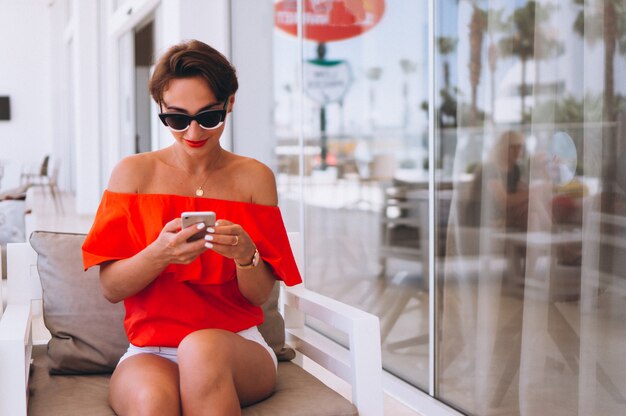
point(199, 190)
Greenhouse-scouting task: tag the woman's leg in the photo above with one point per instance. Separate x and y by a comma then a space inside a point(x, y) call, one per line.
point(220, 371)
point(145, 384)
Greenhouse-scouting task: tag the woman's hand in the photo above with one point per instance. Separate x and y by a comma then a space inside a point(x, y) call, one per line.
point(230, 240)
point(122, 278)
point(172, 245)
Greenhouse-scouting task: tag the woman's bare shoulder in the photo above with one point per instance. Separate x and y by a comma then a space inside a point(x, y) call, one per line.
point(130, 173)
point(258, 179)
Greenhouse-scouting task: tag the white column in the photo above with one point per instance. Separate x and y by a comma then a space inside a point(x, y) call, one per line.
point(252, 55)
point(86, 108)
point(207, 21)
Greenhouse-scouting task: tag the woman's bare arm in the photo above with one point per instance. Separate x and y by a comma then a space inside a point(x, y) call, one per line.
point(122, 278)
point(256, 283)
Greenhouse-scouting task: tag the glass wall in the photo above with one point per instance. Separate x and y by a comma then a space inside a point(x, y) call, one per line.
point(528, 160)
point(350, 116)
point(530, 133)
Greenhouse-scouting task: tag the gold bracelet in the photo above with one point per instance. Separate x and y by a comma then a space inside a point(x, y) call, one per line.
point(253, 263)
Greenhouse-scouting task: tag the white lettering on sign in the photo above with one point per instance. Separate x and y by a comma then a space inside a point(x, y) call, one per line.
point(316, 19)
point(286, 18)
point(328, 20)
point(327, 82)
point(324, 6)
point(291, 18)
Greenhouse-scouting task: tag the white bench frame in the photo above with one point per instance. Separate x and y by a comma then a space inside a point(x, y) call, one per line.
point(359, 365)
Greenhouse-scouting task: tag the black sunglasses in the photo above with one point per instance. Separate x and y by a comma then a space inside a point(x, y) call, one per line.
point(208, 119)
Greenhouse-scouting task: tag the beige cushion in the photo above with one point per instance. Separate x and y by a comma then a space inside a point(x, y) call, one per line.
point(297, 393)
point(61, 395)
point(87, 330)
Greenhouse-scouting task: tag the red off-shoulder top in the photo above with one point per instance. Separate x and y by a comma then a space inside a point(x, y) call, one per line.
point(186, 298)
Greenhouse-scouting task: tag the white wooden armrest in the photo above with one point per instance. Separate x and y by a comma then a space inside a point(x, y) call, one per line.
point(23, 283)
point(15, 356)
point(24, 302)
point(359, 364)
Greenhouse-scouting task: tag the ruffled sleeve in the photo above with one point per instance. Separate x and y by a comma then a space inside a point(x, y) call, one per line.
point(126, 223)
point(265, 226)
point(113, 235)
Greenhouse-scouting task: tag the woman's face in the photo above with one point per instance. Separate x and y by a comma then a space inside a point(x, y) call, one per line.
point(190, 96)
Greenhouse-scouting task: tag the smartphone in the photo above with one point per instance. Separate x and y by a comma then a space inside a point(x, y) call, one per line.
point(195, 217)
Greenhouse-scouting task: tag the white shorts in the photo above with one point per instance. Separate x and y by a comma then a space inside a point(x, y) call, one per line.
point(170, 353)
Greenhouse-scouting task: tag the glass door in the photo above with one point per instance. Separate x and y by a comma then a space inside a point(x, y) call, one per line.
point(352, 127)
point(126, 97)
point(529, 141)
point(510, 191)
point(144, 51)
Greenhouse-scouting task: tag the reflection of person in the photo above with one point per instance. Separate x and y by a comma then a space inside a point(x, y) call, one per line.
point(192, 307)
point(498, 187)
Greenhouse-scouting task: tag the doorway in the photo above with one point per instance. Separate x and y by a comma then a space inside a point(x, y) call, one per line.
point(144, 51)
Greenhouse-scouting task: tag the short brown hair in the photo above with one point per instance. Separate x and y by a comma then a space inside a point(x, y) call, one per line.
point(190, 59)
point(505, 140)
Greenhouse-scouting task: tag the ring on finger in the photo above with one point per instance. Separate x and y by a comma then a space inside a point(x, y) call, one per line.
point(236, 240)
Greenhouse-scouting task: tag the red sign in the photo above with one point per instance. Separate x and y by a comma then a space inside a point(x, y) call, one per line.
point(328, 20)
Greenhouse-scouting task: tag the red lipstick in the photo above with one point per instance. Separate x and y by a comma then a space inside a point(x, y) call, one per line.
point(195, 143)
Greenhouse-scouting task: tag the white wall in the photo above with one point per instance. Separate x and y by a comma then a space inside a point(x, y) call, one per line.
point(252, 54)
point(25, 53)
point(87, 109)
point(35, 75)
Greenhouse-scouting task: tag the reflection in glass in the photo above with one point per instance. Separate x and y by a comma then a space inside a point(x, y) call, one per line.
point(563, 158)
point(364, 177)
point(530, 195)
point(531, 276)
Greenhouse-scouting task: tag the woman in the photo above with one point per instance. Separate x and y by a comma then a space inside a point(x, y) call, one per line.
point(192, 307)
point(499, 196)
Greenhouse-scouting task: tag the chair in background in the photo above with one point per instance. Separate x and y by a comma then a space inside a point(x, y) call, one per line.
point(403, 225)
point(30, 175)
point(604, 258)
point(372, 174)
point(45, 177)
point(403, 235)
